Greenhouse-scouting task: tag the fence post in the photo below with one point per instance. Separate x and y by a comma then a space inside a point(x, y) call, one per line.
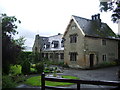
point(78, 86)
point(43, 81)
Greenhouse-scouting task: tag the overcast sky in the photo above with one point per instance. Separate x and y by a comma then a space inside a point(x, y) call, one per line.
point(50, 17)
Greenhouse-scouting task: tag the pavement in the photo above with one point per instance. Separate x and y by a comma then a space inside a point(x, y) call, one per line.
point(109, 74)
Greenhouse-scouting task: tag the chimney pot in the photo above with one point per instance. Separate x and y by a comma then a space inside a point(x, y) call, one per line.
point(98, 16)
point(92, 17)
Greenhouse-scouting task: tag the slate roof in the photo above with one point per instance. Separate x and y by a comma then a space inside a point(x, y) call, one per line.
point(94, 28)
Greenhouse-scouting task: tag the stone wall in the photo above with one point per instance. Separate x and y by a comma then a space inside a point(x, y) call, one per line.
point(74, 47)
point(86, 47)
point(94, 46)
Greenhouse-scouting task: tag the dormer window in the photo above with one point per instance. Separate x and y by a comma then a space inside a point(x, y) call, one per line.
point(48, 45)
point(55, 44)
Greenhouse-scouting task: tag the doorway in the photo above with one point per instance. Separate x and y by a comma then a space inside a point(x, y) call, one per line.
point(91, 60)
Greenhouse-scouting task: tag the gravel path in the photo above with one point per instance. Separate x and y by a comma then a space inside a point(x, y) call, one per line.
point(109, 73)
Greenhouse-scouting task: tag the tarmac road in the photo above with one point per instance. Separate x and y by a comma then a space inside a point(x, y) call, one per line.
point(109, 74)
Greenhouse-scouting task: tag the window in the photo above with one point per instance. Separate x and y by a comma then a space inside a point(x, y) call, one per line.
point(73, 56)
point(73, 38)
point(51, 55)
point(48, 45)
point(103, 42)
point(61, 55)
point(73, 27)
point(56, 55)
point(104, 57)
point(46, 55)
point(55, 44)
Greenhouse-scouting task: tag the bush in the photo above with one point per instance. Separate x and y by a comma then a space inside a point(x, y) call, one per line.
point(15, 69)
point(33, 71)
point(7, 82)
point(66, 65)
point(39, 67)
point(26, 67)
point(61, 63)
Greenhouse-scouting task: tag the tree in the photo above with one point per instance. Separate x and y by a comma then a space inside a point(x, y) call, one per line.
point(10, 50)
point(111, 5)
point(26, 67)
point(20, 42)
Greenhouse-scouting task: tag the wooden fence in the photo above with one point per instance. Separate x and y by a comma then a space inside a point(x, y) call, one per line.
point(78, 82)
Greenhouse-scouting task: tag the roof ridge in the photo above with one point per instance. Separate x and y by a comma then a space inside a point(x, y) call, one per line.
point(55, 35)
point(81, 17)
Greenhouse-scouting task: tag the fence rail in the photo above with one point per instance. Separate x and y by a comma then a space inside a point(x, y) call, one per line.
point(78, 82)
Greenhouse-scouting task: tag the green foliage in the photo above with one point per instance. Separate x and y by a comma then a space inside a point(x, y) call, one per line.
point(15, 69)
point(113, 6)
point(10, 50)
point(23, 56)
point(36, 57)
point(33, 71)
point(66, 65)
point(26, 67)
point(7, 82)
point(36, 81)
point(8, 24)
point(19, 78)
point(39, 67)
point(20, 42)
point(50, 62)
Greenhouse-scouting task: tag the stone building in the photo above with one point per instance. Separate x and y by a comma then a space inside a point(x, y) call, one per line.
point(89, 42)
point(51, 48)
point(85, 43)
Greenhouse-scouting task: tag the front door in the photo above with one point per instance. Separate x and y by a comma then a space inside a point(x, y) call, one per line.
point(91, 60)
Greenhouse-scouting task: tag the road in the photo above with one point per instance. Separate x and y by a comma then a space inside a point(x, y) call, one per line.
point(109, 74)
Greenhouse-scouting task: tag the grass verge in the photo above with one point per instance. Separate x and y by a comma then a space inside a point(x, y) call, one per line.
point(36, 81)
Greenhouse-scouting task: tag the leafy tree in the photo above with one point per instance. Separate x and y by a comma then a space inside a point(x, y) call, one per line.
point(26, 67)
point(112, 5)
point(36, 57)
point(10, 50)
point(20, 42)
point(23, 56)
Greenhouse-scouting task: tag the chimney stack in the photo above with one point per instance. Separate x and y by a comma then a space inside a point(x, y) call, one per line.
point(96, 18)
point(92, 17)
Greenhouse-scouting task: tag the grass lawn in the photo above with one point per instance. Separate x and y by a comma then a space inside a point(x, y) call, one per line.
point(36, 81)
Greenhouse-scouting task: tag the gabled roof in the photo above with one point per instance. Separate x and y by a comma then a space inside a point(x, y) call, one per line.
point(93, 28)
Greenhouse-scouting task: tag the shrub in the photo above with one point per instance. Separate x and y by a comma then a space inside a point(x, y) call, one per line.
point(15, 69)
point(61, 63)
point(39, 67)
point(33, 71)
point(66, 65)
point(26, 67)
point(7, 82)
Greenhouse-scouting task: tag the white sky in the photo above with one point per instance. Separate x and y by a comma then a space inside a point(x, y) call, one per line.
point(50, 17)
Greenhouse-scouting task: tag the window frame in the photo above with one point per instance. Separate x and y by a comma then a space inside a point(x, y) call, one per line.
point(73, 56)
point(104, 42)
point(104, 57)
point(73, 38)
